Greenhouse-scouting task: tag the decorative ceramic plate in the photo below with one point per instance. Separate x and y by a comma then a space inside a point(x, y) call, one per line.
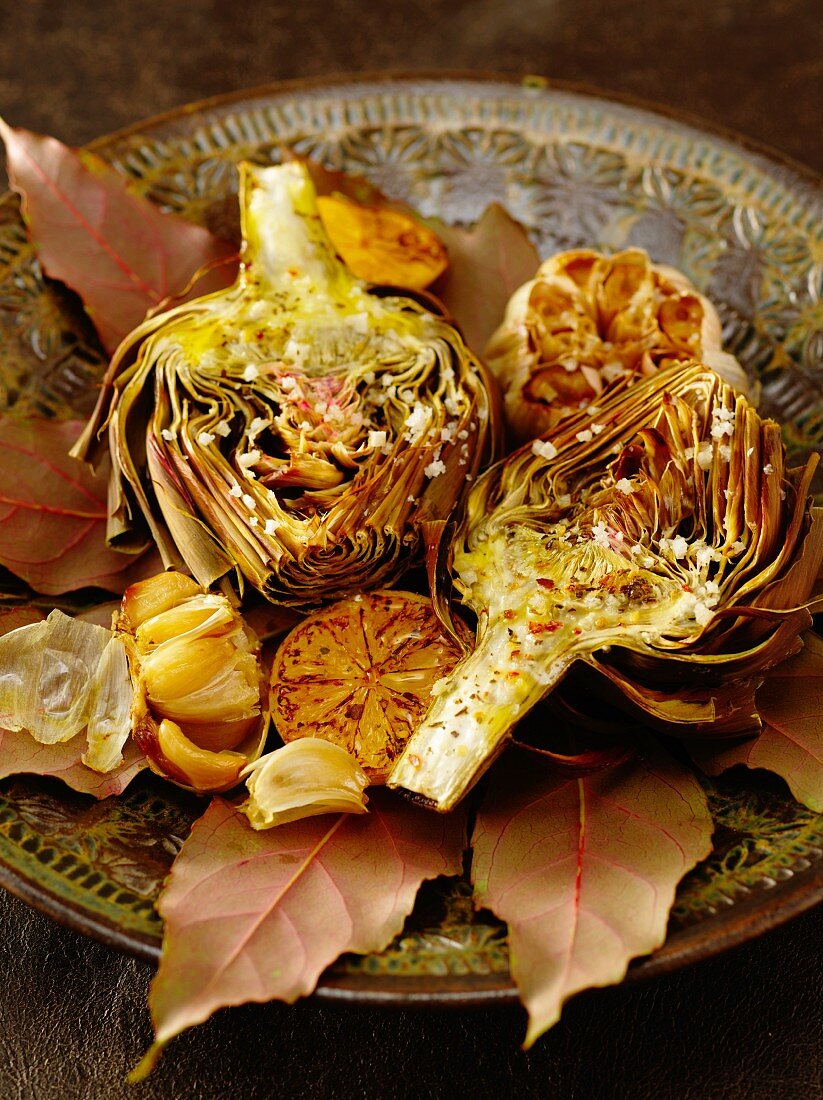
point(577, 170)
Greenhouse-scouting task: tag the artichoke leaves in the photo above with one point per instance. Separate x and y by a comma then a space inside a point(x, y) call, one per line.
point(664, 541)
point(587, 323)
point(301, 427)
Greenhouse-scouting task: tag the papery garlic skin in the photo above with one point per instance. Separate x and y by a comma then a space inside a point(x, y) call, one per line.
point(63, 675)
point(304, 778)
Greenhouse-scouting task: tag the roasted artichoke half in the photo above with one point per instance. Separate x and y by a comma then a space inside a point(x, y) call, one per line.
point(300, 427)
point(587, 323)
point(663, 540)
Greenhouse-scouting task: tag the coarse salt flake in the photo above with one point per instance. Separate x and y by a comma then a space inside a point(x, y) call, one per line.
point(702, 613)
point(544, 448)
point(222, 428)
point(235, 491)
point(270, 526)
point(168, 435)
point(435, 469)
point(600, 534)
point(249, 500)
point(704, 455)
point(205, 438)
point(250, 373)
point(585, 436)
point(624, 485)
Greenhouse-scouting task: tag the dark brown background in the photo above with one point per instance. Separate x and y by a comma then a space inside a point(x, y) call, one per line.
point(72, 1013)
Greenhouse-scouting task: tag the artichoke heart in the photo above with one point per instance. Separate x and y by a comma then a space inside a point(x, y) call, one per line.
point(198, 686)
point(665, 536)
point(298, 427)
point(587, 323)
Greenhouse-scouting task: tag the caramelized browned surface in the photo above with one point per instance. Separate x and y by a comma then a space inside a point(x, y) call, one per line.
point(360, 674)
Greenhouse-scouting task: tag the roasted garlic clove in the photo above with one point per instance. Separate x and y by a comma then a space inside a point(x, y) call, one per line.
point(198, 710)
point(303, 779)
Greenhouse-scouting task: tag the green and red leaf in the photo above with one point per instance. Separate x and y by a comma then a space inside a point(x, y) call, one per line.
point(117, 250)
point(53, 511)
point(487, 263)
point(790, 704)
point(252, 916)
point(584, 871)
point(21, 754)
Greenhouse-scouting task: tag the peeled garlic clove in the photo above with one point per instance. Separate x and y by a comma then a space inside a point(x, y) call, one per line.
point(198, 711)
point(304, 778)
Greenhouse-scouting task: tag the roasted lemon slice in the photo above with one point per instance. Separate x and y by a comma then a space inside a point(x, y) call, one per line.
point(381, 244)
point(360, 674)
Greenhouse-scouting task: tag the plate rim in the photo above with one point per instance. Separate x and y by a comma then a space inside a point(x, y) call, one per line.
point(748, 920)
point(523, 82)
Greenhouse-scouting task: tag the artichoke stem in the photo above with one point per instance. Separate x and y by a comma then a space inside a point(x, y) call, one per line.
point(472, 717)
point(283, 235)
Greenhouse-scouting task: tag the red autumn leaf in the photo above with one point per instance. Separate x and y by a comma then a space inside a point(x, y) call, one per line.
point(16, 615)
point(252, 916)
point(331, 181)
point(20, 753)
point(487, 263)
point(790, 703)
point(53, 511)
point(118, 251)
point(584, 871)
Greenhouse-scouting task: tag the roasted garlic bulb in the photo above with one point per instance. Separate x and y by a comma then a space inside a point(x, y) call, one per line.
point(198, 705)
point(662, 538)
point(587, 323)
point(299, 427)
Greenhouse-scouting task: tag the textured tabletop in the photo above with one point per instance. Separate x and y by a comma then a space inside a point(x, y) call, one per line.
point(72, 1013)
